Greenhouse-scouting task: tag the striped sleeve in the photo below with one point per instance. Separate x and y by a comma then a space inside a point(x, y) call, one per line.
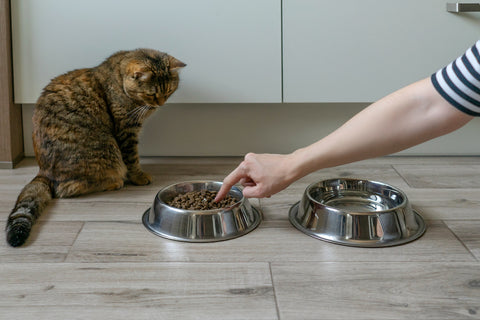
point(459, 82)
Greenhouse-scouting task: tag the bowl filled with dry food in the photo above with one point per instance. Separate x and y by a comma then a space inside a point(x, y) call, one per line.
point(186, 211)
point(357, 212)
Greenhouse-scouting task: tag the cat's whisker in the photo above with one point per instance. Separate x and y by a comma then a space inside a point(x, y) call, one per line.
point(144, 111)
point(133, 111)
point(136, 114)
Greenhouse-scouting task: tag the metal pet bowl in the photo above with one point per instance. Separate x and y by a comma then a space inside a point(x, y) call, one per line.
point(358, 213)
point(200, 225)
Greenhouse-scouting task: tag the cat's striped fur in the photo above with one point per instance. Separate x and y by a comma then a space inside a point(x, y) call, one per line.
point(85, 130)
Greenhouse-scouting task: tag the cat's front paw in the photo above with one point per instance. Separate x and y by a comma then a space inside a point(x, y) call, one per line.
point(140, 178)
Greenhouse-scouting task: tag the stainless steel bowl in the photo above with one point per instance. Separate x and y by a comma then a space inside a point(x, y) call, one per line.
point(200, 225)
point(358, 213)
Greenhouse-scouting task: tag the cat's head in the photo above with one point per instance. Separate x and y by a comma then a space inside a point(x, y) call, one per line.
point(150, 77)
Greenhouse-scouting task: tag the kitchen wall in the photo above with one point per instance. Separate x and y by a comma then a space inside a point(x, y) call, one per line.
point(235, 129)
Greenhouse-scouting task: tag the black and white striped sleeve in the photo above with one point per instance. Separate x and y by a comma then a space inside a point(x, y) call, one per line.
point(459, 82)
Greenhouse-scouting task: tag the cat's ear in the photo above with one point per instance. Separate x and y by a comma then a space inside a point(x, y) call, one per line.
point(137, 71)
point(141, 75)
point(175, 64)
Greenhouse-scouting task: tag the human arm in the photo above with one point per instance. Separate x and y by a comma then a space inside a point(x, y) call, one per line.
point(403, 119)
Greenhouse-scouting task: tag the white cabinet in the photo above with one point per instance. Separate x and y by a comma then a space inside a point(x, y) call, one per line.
point(232, 48)
point(333, 51)
point(361, 50)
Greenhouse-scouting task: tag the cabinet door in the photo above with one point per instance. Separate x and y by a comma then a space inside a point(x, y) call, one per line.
point(232, 48)
point(361, 50)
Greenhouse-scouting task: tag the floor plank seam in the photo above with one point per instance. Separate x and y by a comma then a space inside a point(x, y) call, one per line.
point(401, 176)
point(73, 242)
point(460, 240)
point(273, 288)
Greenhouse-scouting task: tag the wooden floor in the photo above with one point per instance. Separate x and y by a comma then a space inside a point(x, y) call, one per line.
point(91, 257)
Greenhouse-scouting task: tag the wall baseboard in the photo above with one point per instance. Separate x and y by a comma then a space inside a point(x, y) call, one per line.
point(236, 129)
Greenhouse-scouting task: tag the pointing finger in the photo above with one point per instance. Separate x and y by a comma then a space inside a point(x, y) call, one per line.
point(234, 177)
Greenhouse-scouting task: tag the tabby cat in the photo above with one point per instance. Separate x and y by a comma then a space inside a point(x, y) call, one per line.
point(85, 130)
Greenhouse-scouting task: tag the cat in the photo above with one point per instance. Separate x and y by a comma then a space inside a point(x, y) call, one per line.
point(85, 131)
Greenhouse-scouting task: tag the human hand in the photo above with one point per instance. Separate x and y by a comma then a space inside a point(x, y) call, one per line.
point(261, 175)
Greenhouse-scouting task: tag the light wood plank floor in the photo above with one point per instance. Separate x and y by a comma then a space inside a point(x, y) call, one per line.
point(91, 257)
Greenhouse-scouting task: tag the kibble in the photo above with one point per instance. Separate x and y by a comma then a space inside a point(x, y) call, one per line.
point(201, 200)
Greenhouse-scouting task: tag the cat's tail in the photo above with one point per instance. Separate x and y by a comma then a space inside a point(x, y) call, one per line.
point(30, 203)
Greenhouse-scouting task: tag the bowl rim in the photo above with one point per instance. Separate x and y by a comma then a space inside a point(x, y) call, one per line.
point(403, 204)
point(210, 211)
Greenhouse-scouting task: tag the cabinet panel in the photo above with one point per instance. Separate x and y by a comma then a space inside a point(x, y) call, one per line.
point(232, 48)
point(359, 51)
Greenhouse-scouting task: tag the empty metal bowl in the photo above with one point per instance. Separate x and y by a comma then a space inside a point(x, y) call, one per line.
point(356, 212)
point(200, 225)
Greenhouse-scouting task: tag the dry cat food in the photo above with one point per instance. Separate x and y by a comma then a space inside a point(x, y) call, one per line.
point(201, 200)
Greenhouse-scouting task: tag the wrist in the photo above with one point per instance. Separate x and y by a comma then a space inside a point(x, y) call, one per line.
point(298, 165)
